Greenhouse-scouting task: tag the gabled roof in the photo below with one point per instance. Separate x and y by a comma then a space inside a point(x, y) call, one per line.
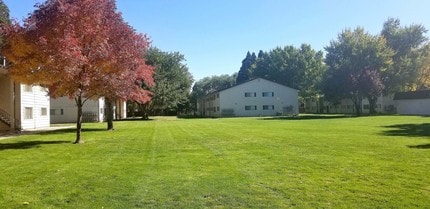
point(412, 95)
point(247, 82)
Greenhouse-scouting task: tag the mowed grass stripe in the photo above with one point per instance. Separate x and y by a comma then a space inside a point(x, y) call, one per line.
point(229, 179)
point(367, 162)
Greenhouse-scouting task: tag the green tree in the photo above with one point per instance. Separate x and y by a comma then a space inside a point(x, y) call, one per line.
point(423, 81)
point(407, 43)
point(4, 17)
point(246, 67)
point(356, 61)
point(172, 82)
point(300, 68)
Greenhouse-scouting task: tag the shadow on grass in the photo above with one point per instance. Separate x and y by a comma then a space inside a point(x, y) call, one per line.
point(69, 130)
point(412, 130)
point(420, 146)
point(28, 144)
point(417, 130)
point(308, 117)
point(134, 119)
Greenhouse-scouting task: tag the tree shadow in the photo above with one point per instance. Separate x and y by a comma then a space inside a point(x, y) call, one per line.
point(308, 117)
point(410, 130)
point(68, 130)
point(28, 144)
point(420, 146)
point(414, 130)
point(134, 119)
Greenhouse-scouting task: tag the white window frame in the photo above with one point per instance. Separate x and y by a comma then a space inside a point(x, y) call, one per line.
point(268, 107)
point(250, 94)
point(28, 113)
point(28, 88)
point(43, 111)
point(268, 94)
point(250, 107)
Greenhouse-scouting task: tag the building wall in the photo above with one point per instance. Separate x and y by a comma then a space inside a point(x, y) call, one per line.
point(5, 91)
point(384, 104)
point(210, 105)
point(5, 98)
point(34, 107)
point(413, 106)
point(120, 109)
point(247, 99)
point(64, 110)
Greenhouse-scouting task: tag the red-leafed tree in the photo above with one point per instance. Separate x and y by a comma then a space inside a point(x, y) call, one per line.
point(81, 49)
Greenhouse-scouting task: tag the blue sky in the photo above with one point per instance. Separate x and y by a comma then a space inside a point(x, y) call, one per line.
point(214, 35)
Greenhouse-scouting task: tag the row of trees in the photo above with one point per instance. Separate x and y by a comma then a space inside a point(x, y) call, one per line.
point(300, 68)
point(361, 65)
point(356, 65)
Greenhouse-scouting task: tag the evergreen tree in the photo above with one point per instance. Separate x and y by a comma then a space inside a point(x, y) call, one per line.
point(247, 64)
point(4, 17)
point(300, 68)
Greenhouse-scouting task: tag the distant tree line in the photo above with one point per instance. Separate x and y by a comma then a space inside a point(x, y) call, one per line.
point(356, 65)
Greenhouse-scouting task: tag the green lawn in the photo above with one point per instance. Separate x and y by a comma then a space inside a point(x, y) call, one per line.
point(308, 162)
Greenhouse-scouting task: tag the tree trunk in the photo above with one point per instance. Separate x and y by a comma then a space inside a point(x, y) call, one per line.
point(79, 104)
point(145, 109)
point(357, 100)
point(357, 106)
point(109, 113)
point(372, 104)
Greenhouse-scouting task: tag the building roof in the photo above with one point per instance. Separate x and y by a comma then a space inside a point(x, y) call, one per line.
point(412, 95)
point(247, 82)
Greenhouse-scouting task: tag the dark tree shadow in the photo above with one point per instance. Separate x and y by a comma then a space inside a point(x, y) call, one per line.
point(28, 144)
point(68, 130)
point(416, 130)
point(134, 119)
point(308, 117)
point(411, 130)
point(420, 146)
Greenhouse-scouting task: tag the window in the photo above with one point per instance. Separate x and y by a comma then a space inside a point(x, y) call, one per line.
point(217, 108)
point(28, 114)
point(57, 112)
point(28, 88)
point(366, 107)
point(268, 107)
point(268, 94)
point(217, 95)
point(250, 94)
point(250, 107)
point(43, 111)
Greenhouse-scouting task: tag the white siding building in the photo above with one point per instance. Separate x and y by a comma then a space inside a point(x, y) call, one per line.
point(64, 110)
point(22, 107)
point(384, 104)
point(257, 97)
point(413, 102)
